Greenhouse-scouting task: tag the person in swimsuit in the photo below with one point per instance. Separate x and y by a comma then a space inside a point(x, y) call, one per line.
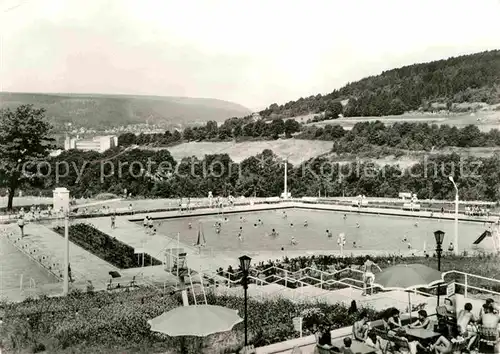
point(20, 223)
point(368, 276)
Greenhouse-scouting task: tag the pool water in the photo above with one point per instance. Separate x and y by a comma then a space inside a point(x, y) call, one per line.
point(14, 263)
point(368, 232)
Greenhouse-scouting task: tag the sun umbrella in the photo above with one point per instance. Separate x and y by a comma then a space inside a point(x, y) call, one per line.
point(408, 277)
point(195, 320)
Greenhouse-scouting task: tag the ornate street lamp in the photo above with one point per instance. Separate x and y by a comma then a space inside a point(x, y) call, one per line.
point(439, 236)
point(245, 267)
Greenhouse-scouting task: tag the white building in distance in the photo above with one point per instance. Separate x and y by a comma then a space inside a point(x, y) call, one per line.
point(98, 143)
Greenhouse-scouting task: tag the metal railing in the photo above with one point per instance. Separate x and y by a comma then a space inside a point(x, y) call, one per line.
point(469, 279)
point(327, 280)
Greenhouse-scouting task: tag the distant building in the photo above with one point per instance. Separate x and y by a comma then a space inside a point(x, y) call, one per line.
point(256, 116)
point(98, 143)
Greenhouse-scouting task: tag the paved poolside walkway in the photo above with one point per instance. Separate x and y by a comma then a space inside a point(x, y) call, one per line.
point(87, 266)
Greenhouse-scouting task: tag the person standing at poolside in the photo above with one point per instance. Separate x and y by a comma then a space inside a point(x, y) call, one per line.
point(369, 276)
point(150, 224)
point(20, 223)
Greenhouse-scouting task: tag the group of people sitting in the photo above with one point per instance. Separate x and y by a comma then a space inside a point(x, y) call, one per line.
point(475, 210)
point(390, 336)
point(469, 325)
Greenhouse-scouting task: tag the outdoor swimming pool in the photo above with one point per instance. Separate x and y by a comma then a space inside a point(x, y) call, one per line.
point(13, 264)
point(374, 232)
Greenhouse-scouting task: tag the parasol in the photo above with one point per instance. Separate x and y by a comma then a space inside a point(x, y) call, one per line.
point(195, 320)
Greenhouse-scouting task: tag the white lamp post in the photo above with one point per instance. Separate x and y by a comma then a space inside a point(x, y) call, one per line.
point(61, 201)
point(286, 178)
point(456, 214)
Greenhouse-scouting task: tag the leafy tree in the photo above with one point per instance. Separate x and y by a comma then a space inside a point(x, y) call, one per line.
point(176, 136)
point(291, 126)
point(24, 143)
point(127, 139)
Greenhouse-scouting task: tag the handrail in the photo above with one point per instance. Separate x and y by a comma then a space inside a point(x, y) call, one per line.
point(300, 281)
point(466, 282)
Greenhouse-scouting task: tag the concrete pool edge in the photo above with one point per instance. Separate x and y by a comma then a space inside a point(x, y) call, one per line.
point(306, 206)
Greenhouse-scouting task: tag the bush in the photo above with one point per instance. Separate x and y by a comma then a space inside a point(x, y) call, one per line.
point(104, 246)
point(117, 323)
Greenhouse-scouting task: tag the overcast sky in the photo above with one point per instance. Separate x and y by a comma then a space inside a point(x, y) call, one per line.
point(253, 52)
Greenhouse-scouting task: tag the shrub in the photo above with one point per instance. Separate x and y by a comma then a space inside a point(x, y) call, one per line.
point(104, 246)
point(117, 323)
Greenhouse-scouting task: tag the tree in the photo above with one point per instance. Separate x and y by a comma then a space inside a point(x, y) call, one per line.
point(24, 142)
point(291, 126)
point(188, 134)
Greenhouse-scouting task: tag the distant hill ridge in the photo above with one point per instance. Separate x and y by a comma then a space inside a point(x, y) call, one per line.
point(467, 78)
point(101, 111)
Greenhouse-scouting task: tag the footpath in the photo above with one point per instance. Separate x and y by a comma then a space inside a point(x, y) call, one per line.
point(47, 247)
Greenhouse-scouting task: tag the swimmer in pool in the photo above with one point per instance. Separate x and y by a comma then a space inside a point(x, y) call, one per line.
point(255, 225)
point(416, 224)
point(329, 234)
point(226, 219)
point(354, 244)
point(357, 225)
point(284, 215)
point(260, 222)
point(190, 226)
point(306, 224)
point(405, 239)
point(292, 241)
point(291, 225)
point(345, 216)
point(409, 246)
point(274, 233)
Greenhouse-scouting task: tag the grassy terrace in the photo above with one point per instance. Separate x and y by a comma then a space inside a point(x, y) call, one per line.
point(117, 322)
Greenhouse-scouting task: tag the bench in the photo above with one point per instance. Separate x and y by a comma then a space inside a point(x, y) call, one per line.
point(121, 285)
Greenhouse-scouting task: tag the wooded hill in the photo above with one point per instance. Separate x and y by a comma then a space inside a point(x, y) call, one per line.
point(468, 78)
point(100, 112)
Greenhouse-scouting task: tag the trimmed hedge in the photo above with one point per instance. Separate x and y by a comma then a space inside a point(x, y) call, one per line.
point(104, 246)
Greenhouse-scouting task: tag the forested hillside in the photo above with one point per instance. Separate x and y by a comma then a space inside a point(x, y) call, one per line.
point(108, 111)
point(469, 78)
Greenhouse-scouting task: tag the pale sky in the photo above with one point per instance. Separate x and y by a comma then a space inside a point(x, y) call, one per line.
point(252, 52)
